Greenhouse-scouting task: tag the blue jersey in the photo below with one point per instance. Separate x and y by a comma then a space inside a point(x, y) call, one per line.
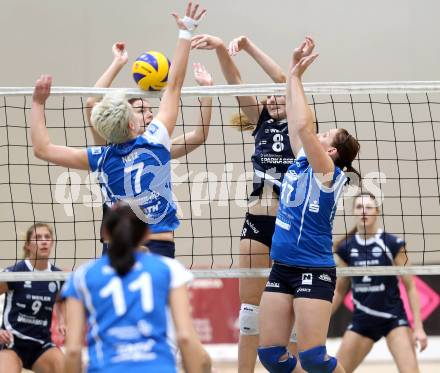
point(376, 295)
point(27, 313)
point(272, 154)
point(303, 231)
point(127, 316)
point(139, 172)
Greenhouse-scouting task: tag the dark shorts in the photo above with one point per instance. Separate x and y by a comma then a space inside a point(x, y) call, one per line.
point(313, 283)
point(164, 248)
point(258, 228)
point(29, 351)
point(376, 328)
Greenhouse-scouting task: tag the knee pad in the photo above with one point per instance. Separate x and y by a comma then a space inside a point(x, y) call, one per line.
point(293, 338)
point(270, 358)
point(248, 319)
point(316, 360)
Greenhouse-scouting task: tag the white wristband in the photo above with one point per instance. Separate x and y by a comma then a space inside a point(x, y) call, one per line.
point(185, 34)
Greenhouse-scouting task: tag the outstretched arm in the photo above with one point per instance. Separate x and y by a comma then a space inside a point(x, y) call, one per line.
point(188, 142)
point(419, 335)
point(120, 58)
point(248, 104)
point(266, 62)
point(43, 147)
point(300, 117)
point(169, 105)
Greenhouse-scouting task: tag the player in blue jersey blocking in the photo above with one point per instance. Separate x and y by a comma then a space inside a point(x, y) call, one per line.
point(125, 298)
point(180, 145)
point(302, 280)
point(27, 315)
point(134, 167)
point(271, 158)
point(378, 307)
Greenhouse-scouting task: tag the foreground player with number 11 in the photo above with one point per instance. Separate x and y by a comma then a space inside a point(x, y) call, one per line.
point(302, 280)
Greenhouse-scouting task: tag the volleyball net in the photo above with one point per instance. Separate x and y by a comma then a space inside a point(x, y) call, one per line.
point(397, 125)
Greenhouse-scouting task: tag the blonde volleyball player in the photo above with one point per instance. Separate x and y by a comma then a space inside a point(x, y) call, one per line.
point(135, 165)
point(378, 307)
point(180, 145)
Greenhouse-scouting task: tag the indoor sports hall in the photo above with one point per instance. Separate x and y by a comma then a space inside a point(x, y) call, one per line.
point(377, 75)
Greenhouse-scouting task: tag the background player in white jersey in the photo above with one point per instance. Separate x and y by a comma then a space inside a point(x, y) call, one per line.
point(271, 159)
point(302, 280)
point(27, 315)
point(133, 167)
point(180, 145)
point(124, 298)
point(379, 310)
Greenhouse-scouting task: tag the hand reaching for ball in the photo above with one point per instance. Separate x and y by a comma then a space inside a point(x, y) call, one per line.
point(120, 53)
point(191, 19)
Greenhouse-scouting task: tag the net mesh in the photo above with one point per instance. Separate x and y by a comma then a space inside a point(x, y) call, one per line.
point(397, 124)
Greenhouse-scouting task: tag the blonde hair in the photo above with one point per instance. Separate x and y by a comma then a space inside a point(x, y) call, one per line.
point(241, 122)
point(28, 235)
point(111, 116)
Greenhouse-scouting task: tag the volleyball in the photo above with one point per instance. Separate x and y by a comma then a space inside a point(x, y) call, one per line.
point(150, 71)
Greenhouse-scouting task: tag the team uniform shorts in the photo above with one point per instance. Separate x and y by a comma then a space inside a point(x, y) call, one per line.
point(28, 351)
point(302, 282)
point(160, 247)
point(258, 228)
point(376, 327)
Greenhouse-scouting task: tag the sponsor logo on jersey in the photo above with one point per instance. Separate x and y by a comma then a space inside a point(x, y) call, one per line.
point(354, 253)
point(303, 290)
point(376, 251)
point(271, 284)
point(96, 150)
point(314, 206)
point(27, 284)
point(325, 277)
point(52, 287)
point(307, 279)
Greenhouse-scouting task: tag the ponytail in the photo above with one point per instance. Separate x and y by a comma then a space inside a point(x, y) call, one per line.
point(241, 122)
point(126, 231)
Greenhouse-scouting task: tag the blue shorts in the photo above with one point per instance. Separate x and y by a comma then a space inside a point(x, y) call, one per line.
point(374, 328)
point(258, 228)
point(29, 351)
point(313, 283)
point(164, 248)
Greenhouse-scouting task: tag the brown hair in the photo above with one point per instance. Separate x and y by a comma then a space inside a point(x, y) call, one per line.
point(348, 148)
point(353, 230)
point(28, 236)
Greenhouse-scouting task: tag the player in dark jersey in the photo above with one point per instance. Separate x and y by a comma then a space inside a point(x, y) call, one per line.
point(124, 298)
point(271, 158)
point(27, 315)
point(302, 279)
point(180, 145)
point(134, 166)
point(379, 310)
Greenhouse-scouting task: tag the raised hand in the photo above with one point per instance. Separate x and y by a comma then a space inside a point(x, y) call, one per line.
point(42, 89)
point(237, 44)
point(120, 53)
point(205, 41)
point(201, 75)
point(302, 57)
point(191, 19)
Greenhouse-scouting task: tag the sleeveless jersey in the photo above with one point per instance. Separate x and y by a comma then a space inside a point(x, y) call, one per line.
point(28, 308)
point(139, 172)
point(273, 154)
point(127, 316)
point(376, 295)
point(303, 229)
